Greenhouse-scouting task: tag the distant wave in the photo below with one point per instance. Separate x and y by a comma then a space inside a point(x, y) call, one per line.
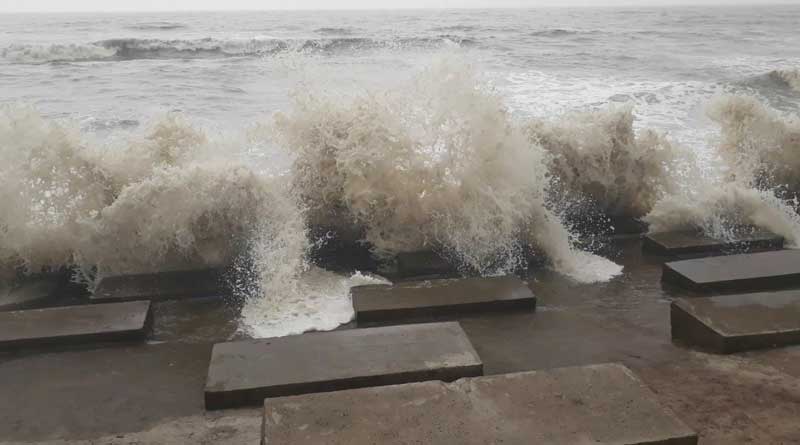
point(559, 32)
point(133, 48)
point(790, 77)
point(335, 31)
point(457, 28)
point(780, 79)
point(55, 53)
point(149, 26)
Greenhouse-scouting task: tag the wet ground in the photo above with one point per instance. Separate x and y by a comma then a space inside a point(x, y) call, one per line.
point(153, 393)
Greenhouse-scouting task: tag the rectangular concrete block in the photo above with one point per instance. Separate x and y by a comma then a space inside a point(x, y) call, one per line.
point(692, 242)
point(441, 297)
point(423, 263)
point(736, 273)
point(160, 286)
point(29, 292)
point(246, 372)
point(740, 322)
point(70, 325)
point(599, 404)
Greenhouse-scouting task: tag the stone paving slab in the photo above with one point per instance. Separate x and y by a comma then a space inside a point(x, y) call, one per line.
point(160, 286)
point(736, 273)
point(740, 322)
point(580, 405)
point(246, 372)
point(97, 323)
point(692, 242)
point(441, 297)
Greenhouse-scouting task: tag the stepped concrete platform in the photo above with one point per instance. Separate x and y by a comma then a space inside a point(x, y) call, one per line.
point(736, 273)
point(246, 372)
point(694, 243)
point(73, 325)
point(579, 405)
point(735, 323)
point(160, 286)
point(423, 263)
point(408, 300)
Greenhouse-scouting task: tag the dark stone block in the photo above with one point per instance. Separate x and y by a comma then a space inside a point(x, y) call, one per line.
point(694, 243)
point(440, 298)
point(30, 292)
point(70, 325)
point(160, 286)
point(736, 273)
point(247, 372)
point(740, 322)
point(424, 263)
point(581, 405)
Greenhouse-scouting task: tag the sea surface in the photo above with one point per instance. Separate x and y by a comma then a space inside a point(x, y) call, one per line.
point(146, 141)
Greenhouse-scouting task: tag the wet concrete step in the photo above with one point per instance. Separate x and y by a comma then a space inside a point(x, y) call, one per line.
point(413, 299)
point(160, 286)
point(247, 372)
point(739, 322)
point(736, 273)
point(592, 404)
point(70, 325)
point(694, 243)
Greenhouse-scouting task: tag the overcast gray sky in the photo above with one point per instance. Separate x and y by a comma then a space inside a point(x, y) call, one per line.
point(172, 5)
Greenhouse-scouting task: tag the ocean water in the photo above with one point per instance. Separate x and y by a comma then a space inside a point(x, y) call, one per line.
point(136, 142)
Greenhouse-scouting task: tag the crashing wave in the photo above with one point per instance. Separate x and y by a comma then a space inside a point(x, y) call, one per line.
point(435, 164)
point(158, 202)
point(758, 148)
point(760, 145)
point(599, 155)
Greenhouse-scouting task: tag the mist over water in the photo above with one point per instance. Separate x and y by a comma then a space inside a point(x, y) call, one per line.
point(142, 142)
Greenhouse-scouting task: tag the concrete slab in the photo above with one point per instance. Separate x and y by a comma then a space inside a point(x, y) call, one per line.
point(441, 297)
point(30, 292)
point(736, 273)
point(592, 404)
point(734, 323)
point(692, 242)
point(247, 372)
point(160, 286)
point(424, 263)
point(74, 325)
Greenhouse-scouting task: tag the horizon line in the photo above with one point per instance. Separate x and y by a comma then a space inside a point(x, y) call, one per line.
point(680, 4)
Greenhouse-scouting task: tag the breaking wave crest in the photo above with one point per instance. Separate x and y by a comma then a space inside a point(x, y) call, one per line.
point(439, 164)
point(599, 155)
point(760, 145)
point(56, 53)
point(134, 48)
point(789, 77)
point(757, 184)
point(164, 200)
